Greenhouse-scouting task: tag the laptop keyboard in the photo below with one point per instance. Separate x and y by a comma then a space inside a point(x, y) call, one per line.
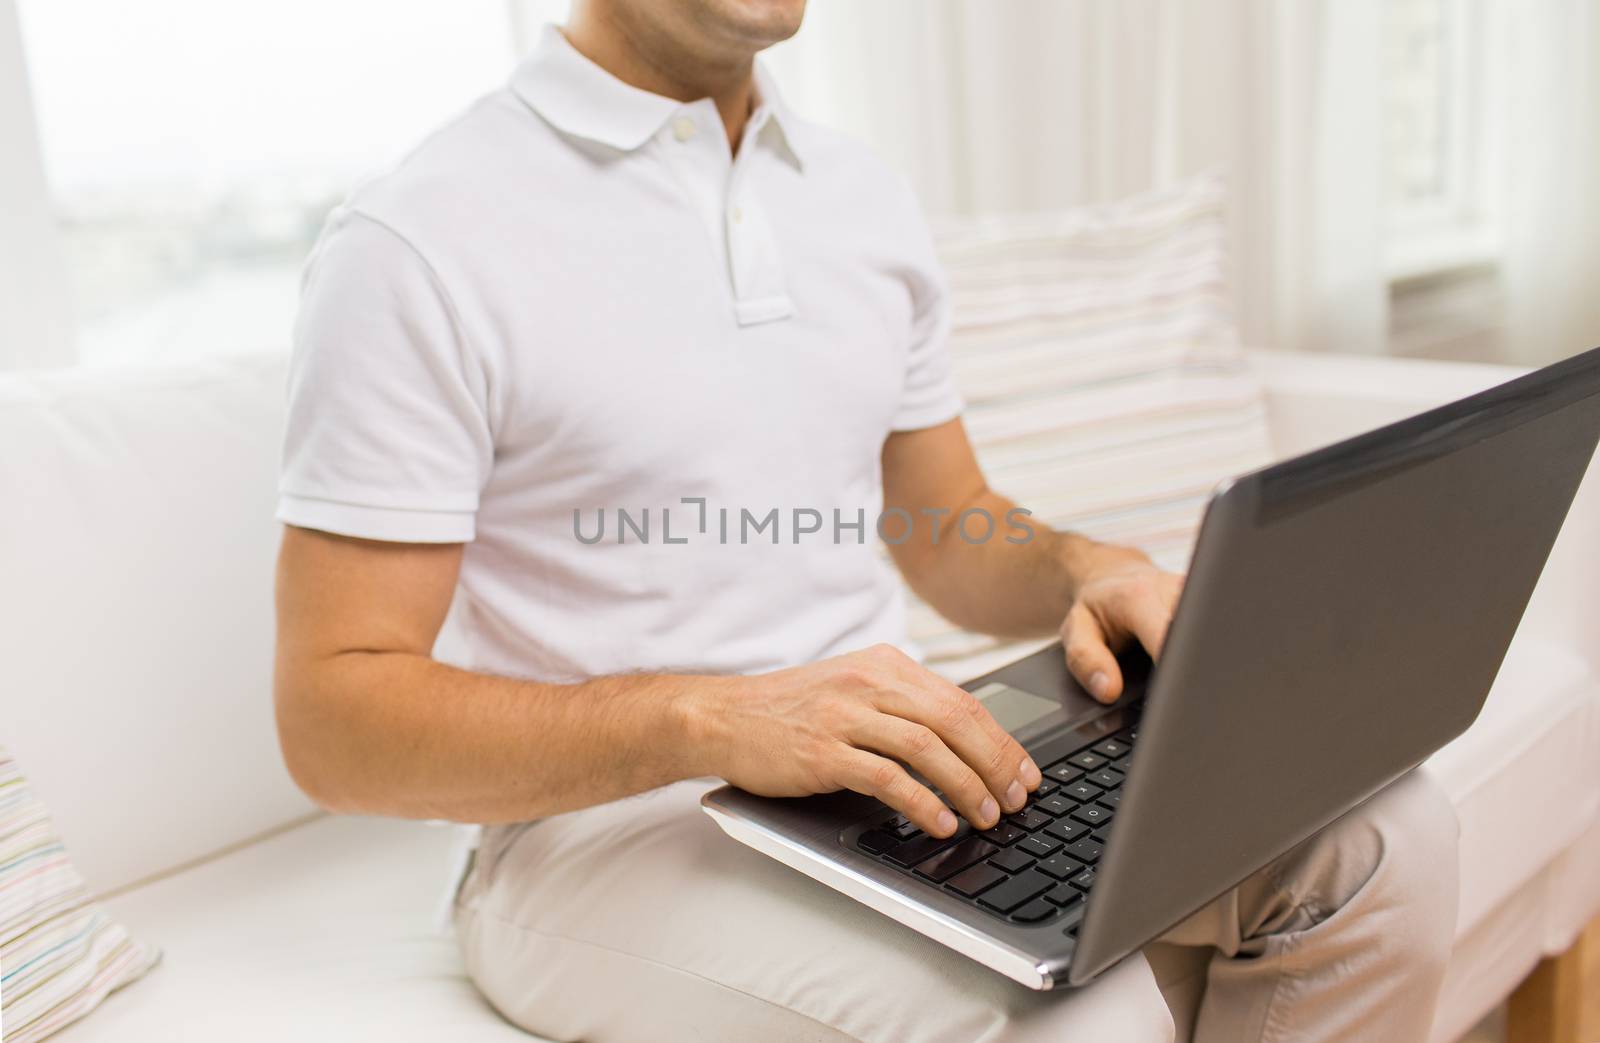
point(1036, 865)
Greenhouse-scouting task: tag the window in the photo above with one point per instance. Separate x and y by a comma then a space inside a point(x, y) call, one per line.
point(1441, 64)
point(193, 148)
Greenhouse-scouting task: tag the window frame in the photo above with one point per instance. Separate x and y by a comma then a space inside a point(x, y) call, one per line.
point(36, 321)
point(1465, 229)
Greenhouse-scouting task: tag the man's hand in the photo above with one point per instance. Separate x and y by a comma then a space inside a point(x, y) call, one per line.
point(853, 722)
point(1107, 596)
point(1121, 597)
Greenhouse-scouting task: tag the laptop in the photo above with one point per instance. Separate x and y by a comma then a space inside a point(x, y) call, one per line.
point(1344, 616)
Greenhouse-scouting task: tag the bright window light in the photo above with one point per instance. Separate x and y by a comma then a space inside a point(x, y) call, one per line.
point(194, 147)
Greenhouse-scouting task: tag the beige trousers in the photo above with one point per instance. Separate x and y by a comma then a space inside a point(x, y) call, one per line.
point(640, 922)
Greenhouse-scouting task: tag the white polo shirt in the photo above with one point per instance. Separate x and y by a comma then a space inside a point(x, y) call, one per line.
point(635, 375)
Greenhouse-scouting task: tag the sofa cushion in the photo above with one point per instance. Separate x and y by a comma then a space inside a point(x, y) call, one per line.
point(60, 953)
point(1525, 791)
point(1106, 389)
point(325, 931)
point(137, 546)
point(1522, 778)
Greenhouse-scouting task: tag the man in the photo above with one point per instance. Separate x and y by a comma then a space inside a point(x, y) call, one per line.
point(634, 286)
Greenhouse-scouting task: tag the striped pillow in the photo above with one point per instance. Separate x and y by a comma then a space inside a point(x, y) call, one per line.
point(1106, 389)
point(60, 953)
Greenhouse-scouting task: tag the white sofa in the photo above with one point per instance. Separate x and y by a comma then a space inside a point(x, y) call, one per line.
point(136, 550)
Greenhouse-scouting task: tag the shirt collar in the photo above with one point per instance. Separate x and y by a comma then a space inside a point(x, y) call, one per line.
point(579, 98)
point(770, 100)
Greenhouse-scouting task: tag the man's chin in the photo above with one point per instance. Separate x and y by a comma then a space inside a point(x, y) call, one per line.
point(758, 23)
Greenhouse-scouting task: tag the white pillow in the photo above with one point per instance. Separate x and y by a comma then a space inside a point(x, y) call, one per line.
point(60, 953)
point(1106, 388)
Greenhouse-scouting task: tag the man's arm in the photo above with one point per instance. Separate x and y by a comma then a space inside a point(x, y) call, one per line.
point(369, 722)
point(1097, 595)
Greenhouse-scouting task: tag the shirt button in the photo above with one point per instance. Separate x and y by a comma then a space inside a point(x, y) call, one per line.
point(738, 215)
point(683, 128)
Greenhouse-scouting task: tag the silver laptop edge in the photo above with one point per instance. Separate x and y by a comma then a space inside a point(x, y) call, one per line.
point(810, 843)
point(909, 910)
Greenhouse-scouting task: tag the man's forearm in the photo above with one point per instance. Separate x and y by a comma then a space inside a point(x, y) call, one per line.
point(997, 586)
point(396, 733)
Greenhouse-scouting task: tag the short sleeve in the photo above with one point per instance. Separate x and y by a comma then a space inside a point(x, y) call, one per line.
point(928, 396)
point(388, 435)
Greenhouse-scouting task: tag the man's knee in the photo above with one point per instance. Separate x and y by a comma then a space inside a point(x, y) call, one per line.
point(1414, 816)
point(1395, 860)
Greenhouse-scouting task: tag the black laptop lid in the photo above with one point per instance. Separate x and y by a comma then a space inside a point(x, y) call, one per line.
point(1345, 615)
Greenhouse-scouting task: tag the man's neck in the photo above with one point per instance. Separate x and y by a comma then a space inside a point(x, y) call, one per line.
point(613, 45)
